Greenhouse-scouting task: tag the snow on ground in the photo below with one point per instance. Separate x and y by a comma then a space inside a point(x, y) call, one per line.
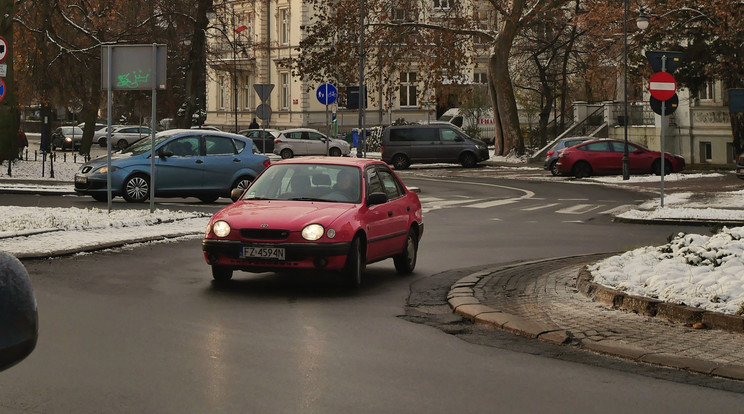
point(697, 270)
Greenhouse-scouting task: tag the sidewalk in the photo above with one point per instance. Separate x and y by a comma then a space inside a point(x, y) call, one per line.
point(541, 300)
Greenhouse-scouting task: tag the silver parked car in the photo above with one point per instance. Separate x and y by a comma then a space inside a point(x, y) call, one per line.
point(124, 135)
point(551, 158)
point(306, 141)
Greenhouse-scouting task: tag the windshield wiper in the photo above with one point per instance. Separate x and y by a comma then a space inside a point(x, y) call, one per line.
point(307, 199)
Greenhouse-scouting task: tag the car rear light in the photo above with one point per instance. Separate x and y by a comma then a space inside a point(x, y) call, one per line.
point(267, 162)
point(382, 149)
point(277, 141)
point(550, 153)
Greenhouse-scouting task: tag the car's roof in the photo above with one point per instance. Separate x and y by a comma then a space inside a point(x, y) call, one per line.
point(172, 132)
point(259, 129)
point(301, 130)
point(358, 162)
point(584, 138)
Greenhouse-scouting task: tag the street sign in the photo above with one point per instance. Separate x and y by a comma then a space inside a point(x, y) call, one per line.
point(263, 111)
point(669, 60)
point(3, 70)
point(2, 90)
point(326, 94)
point(662, 86)
point(3, 49)
point(263, 90)
point(670, 105)
point(134, 67)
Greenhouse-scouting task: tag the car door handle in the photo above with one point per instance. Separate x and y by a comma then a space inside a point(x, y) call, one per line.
point(390, 214)
point(199, 162)
point(236, 160)
point(408, 208)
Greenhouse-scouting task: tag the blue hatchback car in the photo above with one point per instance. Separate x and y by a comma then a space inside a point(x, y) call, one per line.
point(189, 163)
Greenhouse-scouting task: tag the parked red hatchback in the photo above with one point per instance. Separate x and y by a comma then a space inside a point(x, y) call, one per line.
point(605, 156)
point(320, 213)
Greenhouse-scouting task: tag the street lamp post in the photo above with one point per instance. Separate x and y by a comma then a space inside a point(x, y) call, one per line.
point(642, 23)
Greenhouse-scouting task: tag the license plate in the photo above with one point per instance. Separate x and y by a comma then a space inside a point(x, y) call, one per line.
point(263, 252)
point(81, 179)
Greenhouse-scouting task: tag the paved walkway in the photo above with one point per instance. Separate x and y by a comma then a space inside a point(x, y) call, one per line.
point(540, 300)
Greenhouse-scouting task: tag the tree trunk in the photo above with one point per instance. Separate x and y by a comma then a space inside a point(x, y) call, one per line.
point(195, 95)
point(737, 131)
point(505, 117)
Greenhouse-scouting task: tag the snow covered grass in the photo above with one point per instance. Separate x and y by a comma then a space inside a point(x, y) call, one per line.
point(695, 270)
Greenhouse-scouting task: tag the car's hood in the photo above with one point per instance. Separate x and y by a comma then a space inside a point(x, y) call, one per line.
point(100, 161)
point(281, 214)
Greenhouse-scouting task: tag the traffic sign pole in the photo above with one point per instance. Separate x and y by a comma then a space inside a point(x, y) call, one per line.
point(663, 131)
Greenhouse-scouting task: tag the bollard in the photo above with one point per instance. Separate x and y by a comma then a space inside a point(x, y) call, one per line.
point(64, 157)
point(74, 157)
point(19, 320)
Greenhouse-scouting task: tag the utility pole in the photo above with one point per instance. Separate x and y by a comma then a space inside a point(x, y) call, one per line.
point(9, 116)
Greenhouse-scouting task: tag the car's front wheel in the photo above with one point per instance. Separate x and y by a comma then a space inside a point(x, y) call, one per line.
point(221, 273)
point(468, 160)
point(286, 153)
point(355, 264)
point(406, 261)
point(137, 188)
point(334, 152)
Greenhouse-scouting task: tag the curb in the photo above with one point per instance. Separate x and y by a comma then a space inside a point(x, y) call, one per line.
point(681, 221)
point(462, 300)
point(689, 316)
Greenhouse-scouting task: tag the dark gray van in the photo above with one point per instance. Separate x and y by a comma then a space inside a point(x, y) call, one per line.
point(403, 145)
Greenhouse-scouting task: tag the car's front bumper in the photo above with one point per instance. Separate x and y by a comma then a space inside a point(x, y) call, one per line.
point(298, 255)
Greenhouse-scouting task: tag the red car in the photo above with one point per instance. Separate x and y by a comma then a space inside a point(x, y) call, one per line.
point(320, 213)
point(605, 156)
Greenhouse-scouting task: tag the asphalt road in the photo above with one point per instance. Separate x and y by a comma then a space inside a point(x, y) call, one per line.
point(143, 329)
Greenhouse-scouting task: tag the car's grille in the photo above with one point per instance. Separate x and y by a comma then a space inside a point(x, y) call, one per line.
point(264, 234)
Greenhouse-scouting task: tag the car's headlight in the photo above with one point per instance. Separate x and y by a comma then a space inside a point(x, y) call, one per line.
point(220, 228)
point(104, 169)
point(312, 232)
point(68, 139)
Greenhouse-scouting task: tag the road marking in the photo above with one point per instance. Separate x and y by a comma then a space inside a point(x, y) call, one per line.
point(494, 203)
point(579, 209)
point(540, 207)
point(618, 209)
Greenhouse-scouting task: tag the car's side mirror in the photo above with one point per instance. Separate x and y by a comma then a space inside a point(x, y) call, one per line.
point(459, 139)
point(236, 193)
point(377, 198)
point(19, 323)
point(637, 151)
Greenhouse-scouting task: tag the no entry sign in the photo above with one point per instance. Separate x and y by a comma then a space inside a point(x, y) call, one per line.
point(662, 86)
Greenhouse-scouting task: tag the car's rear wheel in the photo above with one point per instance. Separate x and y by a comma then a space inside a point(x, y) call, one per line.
point(242, 183)
point(656, 167)
point(334, 152)
point(468, 160)
point(221, 273)
point(102, 141)
point(406, 261)
point(554, 168)
point(137, 188)
point(286, 153)
point(355, 264)
point(121, 144)
point(401, 162)
point(582, 169)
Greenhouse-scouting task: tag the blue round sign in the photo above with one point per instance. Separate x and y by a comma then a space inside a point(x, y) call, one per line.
point(2, 90)
point(326, 94)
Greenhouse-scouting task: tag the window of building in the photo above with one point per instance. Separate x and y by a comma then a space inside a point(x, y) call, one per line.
point(284, 26)
point(480, 77)
point(443, 4)
point(731, 155)
point(707, 91)
point(247, 92)
point(408, 89)
point(399, 14)
point(706, 151)
point(284, 76)
point(221, 92)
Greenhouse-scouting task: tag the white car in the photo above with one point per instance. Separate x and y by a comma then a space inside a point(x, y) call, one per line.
point(123, 135)
point(307, 141)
